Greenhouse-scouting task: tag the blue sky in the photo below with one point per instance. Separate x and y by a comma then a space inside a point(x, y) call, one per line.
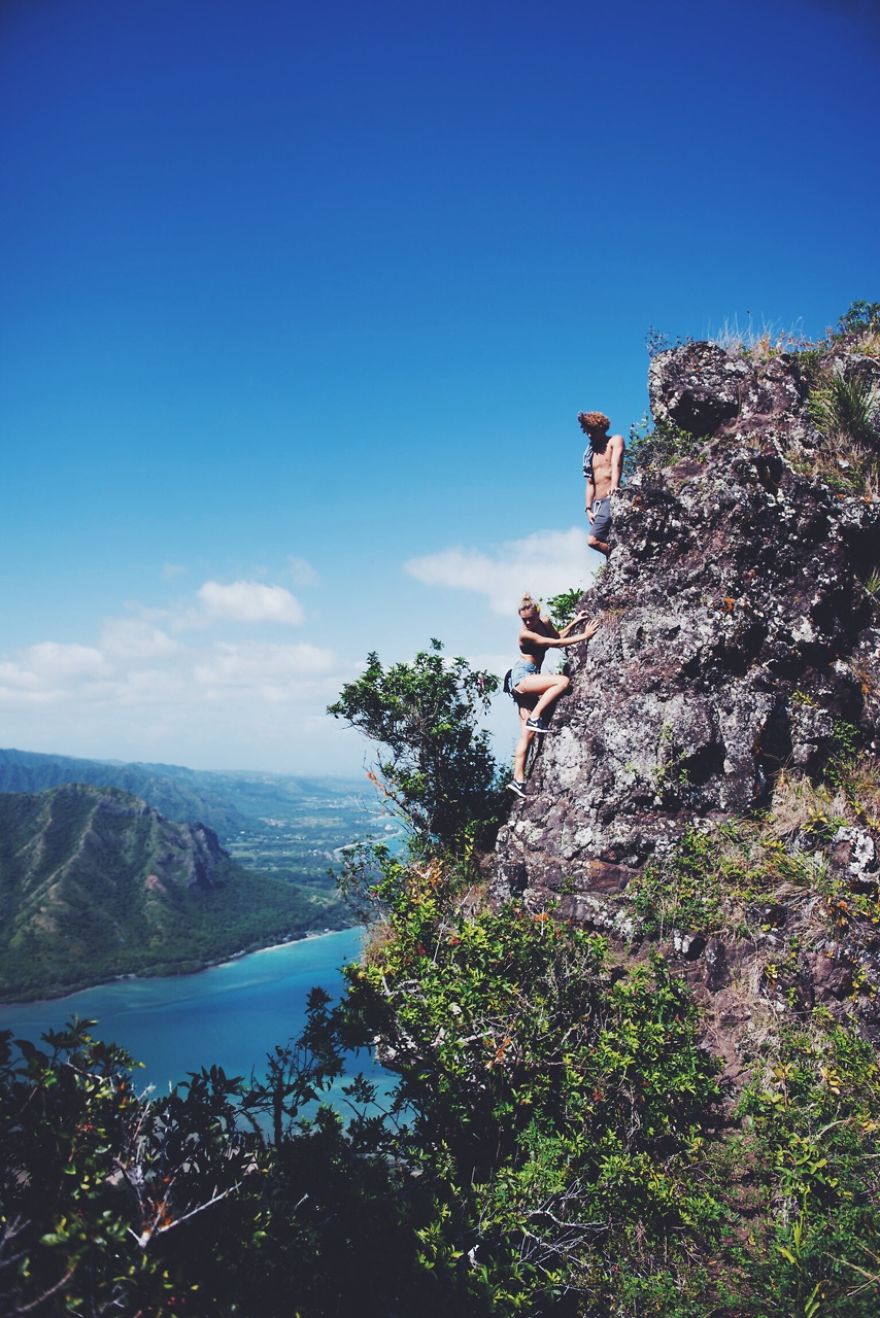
point(300, 303)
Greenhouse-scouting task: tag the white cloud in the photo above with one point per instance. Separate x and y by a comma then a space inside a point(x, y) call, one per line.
point(263, 665)
point(544, 564)
point(43, 673)
point(217, 704)
point(136, 638)
point(301, 571)
point(250, 601)
point(54, 661)
point(194, 681)
point(17, 678)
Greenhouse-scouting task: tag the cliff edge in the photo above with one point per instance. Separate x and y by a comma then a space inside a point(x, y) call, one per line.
point(737, 657)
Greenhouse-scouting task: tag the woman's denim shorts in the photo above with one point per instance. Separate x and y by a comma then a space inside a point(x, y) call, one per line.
point(522, 668)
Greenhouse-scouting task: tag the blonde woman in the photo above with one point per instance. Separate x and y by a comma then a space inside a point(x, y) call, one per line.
point(537, 635)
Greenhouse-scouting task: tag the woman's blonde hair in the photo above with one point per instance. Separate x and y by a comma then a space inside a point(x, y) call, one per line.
point(526, 603)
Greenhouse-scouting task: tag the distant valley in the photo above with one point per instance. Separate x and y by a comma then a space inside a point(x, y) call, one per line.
point(110, 870)
point(225, 802)
point(280, 824)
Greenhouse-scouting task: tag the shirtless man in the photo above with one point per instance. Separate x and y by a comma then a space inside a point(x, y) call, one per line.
point(603, 465)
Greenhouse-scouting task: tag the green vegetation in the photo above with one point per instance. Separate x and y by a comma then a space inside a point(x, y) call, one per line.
point(557, 1104)
point(197, 929)
point(113, 1204)
point(861, 318)
point(809, 1120)
point(563, 607)
point(846, 412)
point(308, 849)
point(658, 445)
point(437, 767)
point(729, 876)
point(558, 1143)
point(684, 891)
point(847, 407)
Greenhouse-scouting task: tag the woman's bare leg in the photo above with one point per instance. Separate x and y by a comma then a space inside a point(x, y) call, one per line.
point(522, 746)
point(548, 689)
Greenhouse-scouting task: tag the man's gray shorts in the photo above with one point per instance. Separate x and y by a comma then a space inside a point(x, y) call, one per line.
point(601, 523)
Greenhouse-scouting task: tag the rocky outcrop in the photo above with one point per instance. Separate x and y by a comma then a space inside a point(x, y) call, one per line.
point(738, 635)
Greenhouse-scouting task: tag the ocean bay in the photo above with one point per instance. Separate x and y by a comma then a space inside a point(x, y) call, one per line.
point(231, 1015)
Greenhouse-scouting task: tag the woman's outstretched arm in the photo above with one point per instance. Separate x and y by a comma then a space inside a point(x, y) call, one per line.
point(575, 622)
point(559, 642)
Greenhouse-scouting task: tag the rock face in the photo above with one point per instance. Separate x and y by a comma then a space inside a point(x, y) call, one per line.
point(738, 632)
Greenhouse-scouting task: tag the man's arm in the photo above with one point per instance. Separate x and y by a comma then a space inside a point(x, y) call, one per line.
point(590, 496)
point(618, 445)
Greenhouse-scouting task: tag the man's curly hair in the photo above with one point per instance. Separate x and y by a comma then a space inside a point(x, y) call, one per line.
point(593, 421)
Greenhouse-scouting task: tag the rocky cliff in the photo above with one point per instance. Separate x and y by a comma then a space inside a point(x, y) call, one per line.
point(734, 676)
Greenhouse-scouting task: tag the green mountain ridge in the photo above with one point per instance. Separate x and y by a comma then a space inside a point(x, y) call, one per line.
point(228, 802)
point(96, 883)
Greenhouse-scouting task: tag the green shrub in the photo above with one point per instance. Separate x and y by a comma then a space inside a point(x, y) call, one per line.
point(860, 317)
point(563, 607)
point(658, 447)
point(554, 1101)
point(847, 407)
point(437, 767)
point(810, 1118)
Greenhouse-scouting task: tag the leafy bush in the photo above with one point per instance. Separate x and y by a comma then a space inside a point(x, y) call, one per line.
point(438, 768)
point(563, 607)
point(553, 1099)
point(810, 1117)
point(219, 1199)
point(861, 316)
point(95, 1182)
point(658, 447)
point(683, 891)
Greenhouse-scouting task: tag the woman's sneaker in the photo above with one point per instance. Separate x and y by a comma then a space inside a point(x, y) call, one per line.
point(519, 788)
point(537, 724)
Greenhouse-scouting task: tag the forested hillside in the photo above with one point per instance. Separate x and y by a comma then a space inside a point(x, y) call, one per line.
point(96, 883)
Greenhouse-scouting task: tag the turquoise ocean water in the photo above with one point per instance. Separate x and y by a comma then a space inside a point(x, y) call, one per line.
point(231, 1015)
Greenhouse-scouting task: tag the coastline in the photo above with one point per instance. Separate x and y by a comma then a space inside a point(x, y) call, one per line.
point(301, 938)
point(227, 959)
point(233, 1017)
